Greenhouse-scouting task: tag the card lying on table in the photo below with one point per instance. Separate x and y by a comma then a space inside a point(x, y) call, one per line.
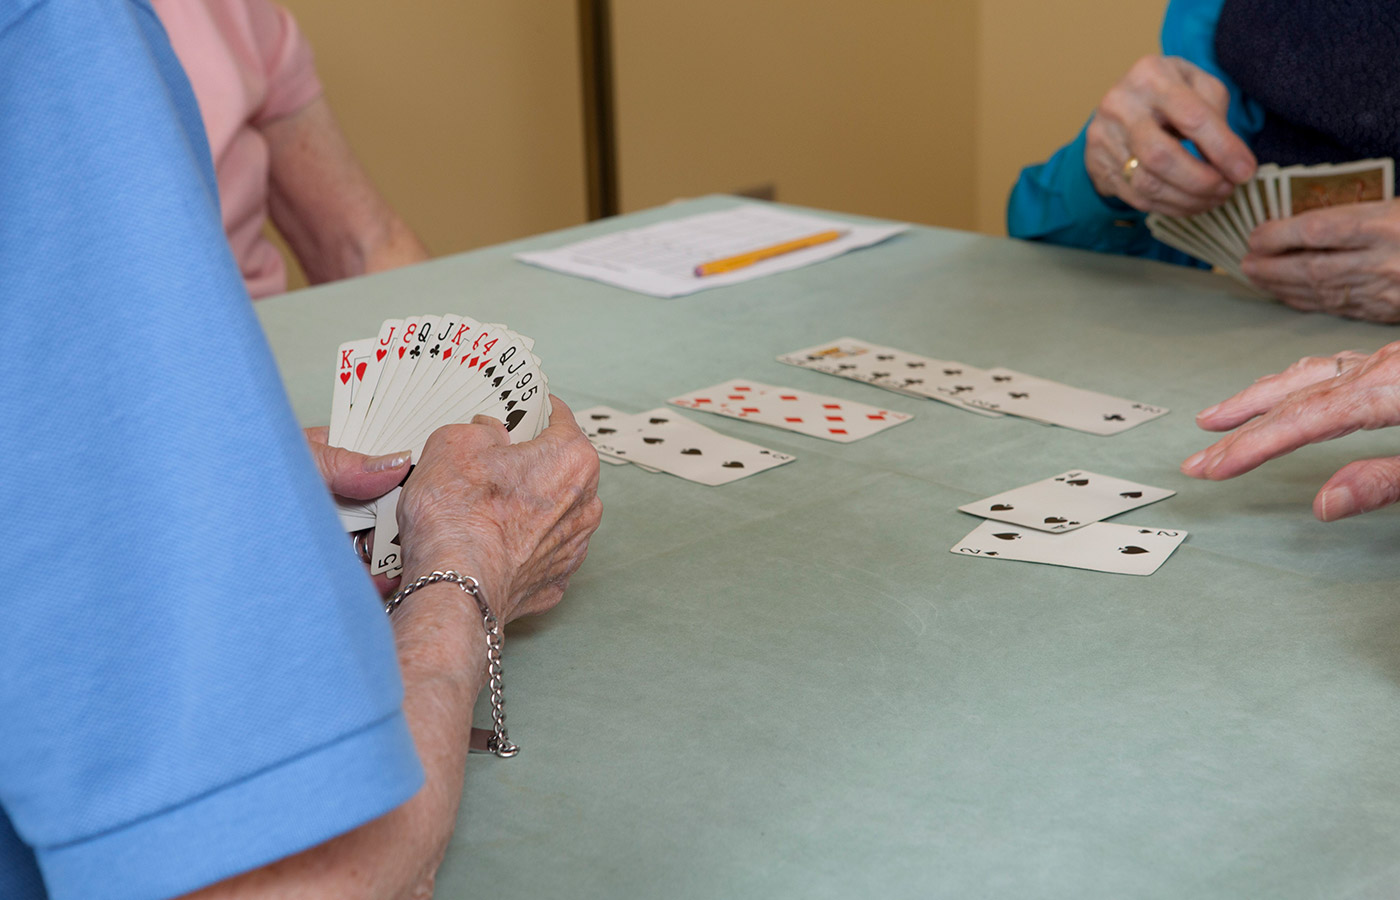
point(663, 440)
point(1067, 501)
point(816, 415)
point(1019, 394)
point(1101, 547)
point(888, 368)
point(394, 390)
point(990, 392)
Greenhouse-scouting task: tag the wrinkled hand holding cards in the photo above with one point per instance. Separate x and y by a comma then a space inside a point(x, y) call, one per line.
point(985, 391)
point(1220, 236)
point(1058, 522)
point(392, 391)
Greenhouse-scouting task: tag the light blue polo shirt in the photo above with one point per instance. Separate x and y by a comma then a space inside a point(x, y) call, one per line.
point(196, 677)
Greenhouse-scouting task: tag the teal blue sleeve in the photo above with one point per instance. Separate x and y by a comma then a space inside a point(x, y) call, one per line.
point(1056, 202)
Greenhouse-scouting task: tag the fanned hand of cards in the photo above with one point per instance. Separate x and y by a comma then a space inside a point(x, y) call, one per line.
point(1059, 522)
point(1220, 236)
point(392, 391)
point(987, 392)
point(662, 440)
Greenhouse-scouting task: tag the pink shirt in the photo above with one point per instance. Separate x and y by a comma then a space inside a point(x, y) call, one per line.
point(248, 64)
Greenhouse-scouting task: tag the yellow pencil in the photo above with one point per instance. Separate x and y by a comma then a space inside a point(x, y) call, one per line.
point(730, 263)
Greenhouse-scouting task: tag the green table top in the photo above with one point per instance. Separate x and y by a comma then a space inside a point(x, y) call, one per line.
point(788, 687)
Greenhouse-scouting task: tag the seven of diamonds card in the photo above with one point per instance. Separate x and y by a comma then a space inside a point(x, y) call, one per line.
point(818, 415)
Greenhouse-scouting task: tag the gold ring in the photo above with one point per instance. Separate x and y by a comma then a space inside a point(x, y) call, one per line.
point(1129, 168)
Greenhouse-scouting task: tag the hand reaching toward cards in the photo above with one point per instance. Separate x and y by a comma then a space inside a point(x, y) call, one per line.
point(517, 517)
point(1314, 400)
point(1343, 260)
point(1145, 116)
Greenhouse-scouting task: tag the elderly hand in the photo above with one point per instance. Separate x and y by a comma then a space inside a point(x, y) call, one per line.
point(1162, 101)
point(1316, 399)
point(517, 517)
point(358, 477)
point(1343, 260)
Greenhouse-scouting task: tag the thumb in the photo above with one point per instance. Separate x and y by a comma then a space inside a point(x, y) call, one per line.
point(357, 476)
point(1359, 487)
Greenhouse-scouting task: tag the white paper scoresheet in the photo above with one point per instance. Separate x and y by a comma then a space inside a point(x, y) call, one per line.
point(660, 259)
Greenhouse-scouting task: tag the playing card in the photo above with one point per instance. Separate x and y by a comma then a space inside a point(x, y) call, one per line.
point(1255, 197)
point(817, 415)
point(1174, 233)
point(1267, 177)
point(352, 364)
point(403, 357)
point(1067, 501)
point(1019, 394)
point(355, 515)
point(886, 367)
point(369, 384)
point(601, 421)
point(386, 556)
point(1102, 546)
point(1302, 188)
point(672, 443)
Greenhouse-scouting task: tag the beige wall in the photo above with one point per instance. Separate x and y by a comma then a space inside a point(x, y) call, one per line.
point(1041, 69)
point(467, 113)
point(828, 100)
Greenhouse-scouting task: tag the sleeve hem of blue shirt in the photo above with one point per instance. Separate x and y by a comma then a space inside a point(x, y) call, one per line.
point(273, 814)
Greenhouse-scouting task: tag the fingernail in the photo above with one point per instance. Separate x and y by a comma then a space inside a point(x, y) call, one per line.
point(1194, 461)
point(1208, 411)
point(1241, 172)
point(388, 461)
point(1336, 503)
point(1225, 189)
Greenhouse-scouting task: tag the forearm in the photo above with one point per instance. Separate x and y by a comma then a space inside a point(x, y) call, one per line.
point(395, 856)
point(324, 203)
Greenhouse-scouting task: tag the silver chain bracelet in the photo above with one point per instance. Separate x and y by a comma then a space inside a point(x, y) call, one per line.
point(497, 742)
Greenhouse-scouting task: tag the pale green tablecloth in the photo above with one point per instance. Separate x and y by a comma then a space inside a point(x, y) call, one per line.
point(788, 687)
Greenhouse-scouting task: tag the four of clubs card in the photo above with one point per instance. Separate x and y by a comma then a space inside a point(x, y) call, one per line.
point(392, 391)
point(1059, 522)
point(994, 392)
